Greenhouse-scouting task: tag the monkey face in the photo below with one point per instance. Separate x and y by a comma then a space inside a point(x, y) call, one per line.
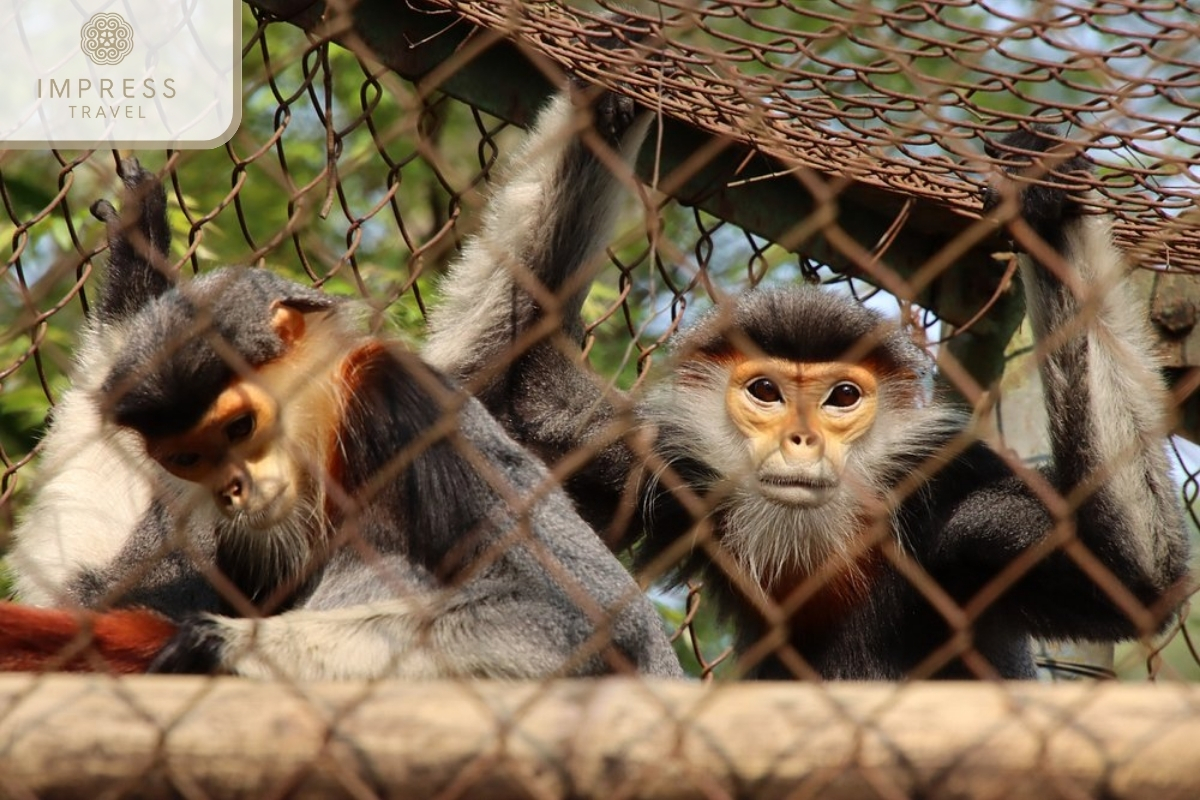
point(235, 452)
point(799, 421)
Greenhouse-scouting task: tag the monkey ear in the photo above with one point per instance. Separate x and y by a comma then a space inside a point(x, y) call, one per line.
point(288, 322)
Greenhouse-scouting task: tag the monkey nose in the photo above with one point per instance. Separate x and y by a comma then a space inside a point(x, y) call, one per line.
point(233, 493)
point(802, 445)
point(804, 438)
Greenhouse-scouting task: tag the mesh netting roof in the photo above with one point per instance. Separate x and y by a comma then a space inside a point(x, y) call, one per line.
point(899, 96)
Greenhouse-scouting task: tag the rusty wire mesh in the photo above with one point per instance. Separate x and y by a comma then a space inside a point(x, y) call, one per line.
point(898, 95)
point(365, 183)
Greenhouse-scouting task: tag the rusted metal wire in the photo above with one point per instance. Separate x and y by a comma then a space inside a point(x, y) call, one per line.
point(899, 95)
point(365, 183)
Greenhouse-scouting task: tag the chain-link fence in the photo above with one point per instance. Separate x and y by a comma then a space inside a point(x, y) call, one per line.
point(839, 144)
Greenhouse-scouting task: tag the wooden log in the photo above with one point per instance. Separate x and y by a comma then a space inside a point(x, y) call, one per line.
point(91, 736)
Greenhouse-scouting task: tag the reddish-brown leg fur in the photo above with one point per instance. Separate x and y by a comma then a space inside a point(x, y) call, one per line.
point(52, 639)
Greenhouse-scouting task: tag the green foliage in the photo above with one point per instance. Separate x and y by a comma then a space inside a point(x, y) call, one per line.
point(707, 634)
point(6, 583)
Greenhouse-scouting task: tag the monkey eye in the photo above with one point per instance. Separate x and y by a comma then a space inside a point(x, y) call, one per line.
point(183, 460)
point(764, 390)
point(240, 428)
point(843, 395)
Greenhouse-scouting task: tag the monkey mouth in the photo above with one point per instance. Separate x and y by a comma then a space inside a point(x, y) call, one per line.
point(796, 490)
point(265, 512)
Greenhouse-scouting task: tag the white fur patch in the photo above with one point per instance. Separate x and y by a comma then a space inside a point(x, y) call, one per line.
point(1127, 395)
point(477, 292)
point(92, 487)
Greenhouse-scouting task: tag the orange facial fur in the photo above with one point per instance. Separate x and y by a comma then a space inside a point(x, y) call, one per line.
point(211, 445)
point(807, 424)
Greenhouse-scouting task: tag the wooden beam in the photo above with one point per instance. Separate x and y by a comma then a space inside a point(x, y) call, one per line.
point(150, 737)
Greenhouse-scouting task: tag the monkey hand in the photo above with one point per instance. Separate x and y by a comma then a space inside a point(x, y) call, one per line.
point(195, 649)
point(1042, 171)
point(141, 185)
point(613, 113)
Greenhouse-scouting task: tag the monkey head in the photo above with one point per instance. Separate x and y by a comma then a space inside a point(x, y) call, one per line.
point(219, 378)
point(787, 389)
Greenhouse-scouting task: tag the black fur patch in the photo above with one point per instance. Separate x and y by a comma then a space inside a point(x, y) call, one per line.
point(433, 506)
point(195, 649)
point(1047, 178)
point(805, 324)
point(666, 517)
